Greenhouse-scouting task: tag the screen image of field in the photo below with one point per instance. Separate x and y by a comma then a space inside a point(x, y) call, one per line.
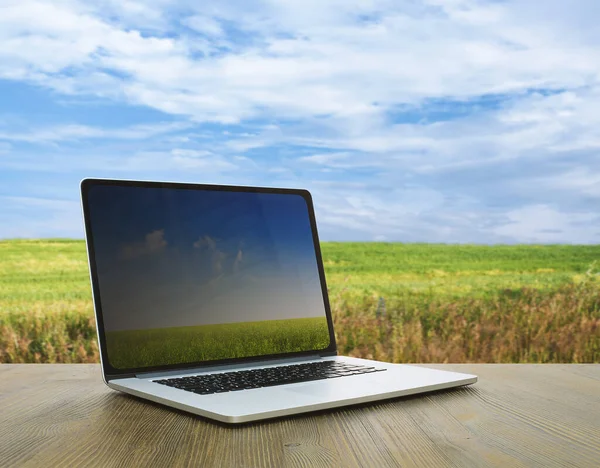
point(143, 348)
point(199, 275)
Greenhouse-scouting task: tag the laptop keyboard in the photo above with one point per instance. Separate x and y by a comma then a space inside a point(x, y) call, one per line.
point(207, 384)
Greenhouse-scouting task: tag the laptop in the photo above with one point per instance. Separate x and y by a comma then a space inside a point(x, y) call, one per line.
point(212, 299)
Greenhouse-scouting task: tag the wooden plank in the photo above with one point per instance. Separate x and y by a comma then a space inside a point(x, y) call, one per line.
point(516, 415)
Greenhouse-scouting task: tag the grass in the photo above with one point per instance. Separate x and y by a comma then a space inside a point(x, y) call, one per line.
point(389, 269)
point(522, 325)
point(143, 348)
point(443, 303)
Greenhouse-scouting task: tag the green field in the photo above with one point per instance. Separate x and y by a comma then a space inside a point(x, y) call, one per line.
point(142, 348)
point(394, 302)
point(389, 269)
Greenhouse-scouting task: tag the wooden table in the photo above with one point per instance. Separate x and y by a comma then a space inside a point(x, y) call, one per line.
point(516, 415)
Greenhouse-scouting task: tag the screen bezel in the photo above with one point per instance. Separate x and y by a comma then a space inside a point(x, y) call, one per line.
point(111, 372)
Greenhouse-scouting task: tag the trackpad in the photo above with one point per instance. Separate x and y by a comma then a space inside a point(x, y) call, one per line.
point(338, 389)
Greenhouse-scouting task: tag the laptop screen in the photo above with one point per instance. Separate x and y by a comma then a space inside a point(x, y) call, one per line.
point(191, 275)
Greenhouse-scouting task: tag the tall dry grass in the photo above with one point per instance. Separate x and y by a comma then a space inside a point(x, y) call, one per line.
point(521, 325)
point(513, 326)
point(65, 336)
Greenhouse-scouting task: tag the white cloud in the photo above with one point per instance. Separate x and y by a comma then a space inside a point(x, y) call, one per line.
point(154, 242)
point(32, 217)
point(216, 255)
point(544, 224)
point(179, 160)
point(329, 159)
point(205, 241)
point(303, 59)
point(576, 180)
point(369, 212)
point(70, 132)
point(204, 25)
point(189, 159)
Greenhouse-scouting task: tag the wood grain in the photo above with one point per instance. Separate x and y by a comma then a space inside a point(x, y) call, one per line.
point(516, 415)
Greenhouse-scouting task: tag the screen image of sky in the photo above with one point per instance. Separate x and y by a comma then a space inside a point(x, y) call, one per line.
point(179, 258)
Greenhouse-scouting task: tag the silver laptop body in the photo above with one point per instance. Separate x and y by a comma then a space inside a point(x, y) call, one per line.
point(212, 299)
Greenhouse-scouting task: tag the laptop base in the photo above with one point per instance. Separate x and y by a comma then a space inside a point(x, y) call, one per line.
point(271, 402)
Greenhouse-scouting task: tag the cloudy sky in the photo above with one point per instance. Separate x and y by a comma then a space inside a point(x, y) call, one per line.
point(409, 120)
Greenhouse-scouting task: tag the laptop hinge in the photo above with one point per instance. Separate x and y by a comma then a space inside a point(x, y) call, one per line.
point(217, 368)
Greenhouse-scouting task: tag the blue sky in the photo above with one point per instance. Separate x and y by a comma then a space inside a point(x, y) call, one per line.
point(189, 253)
point(433, 120)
